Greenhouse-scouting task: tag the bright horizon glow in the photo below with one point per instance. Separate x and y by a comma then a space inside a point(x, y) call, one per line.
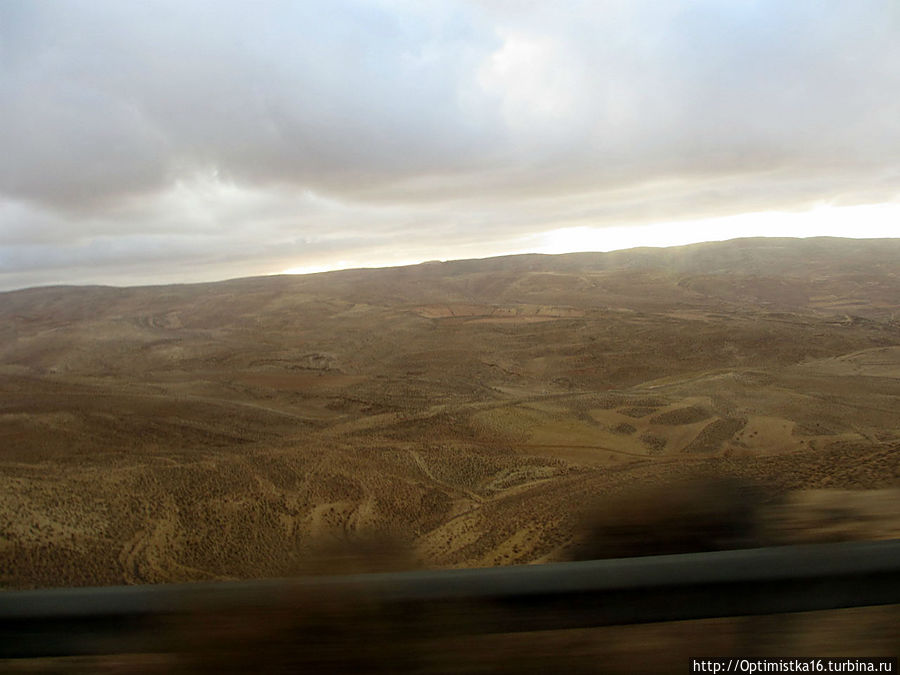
point(868, 221)
point(315, 136)
point(347, 265)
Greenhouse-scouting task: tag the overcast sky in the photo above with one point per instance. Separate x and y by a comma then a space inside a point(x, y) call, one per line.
point(161, 141)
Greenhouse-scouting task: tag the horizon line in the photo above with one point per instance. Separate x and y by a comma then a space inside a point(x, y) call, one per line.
point(436, 261)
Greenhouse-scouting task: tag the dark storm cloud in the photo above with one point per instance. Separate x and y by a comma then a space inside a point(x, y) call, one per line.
point(226, 131)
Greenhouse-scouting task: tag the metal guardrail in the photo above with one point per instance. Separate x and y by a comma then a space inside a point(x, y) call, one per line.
point(502, 599)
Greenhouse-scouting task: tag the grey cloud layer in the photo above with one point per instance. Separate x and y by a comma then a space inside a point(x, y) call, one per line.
point(105, 99)
point(251, 131)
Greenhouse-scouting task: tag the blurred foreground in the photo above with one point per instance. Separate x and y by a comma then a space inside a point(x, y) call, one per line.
point(344, 630)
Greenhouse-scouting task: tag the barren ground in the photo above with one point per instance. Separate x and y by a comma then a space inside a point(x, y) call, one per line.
point(476, 408)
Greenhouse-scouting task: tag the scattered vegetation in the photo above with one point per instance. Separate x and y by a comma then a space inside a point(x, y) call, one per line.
point(475, 410)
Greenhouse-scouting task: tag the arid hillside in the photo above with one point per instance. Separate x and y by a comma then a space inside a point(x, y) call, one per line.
point(476, 409)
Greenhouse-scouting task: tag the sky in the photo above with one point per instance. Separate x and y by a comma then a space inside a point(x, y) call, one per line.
point(184, 140)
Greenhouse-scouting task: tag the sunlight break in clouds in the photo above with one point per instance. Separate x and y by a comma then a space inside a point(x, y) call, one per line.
point(170, 141)
point(870, 221)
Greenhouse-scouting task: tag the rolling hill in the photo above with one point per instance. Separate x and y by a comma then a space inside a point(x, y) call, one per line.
point(477, 409)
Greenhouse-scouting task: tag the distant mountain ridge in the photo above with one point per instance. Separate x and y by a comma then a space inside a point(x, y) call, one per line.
point(755, 255)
